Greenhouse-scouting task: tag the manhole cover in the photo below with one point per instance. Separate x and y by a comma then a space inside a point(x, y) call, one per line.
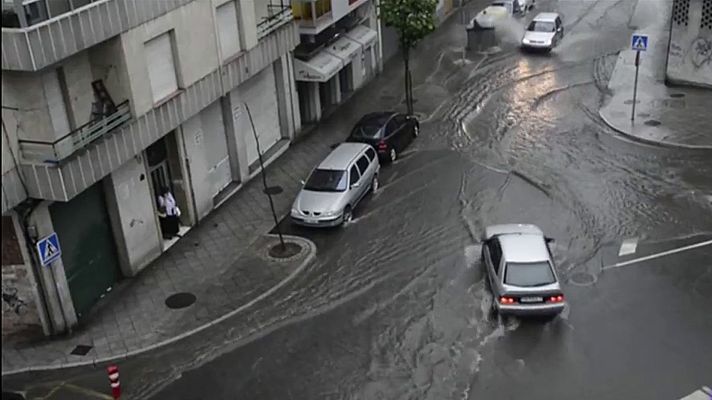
point(677, 95)
point(582, 279)
point(652, 122)
point(180, 300)
point(289, 249)
point(81, 350)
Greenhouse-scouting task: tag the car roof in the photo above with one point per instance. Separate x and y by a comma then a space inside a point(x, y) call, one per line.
point(523, 247)
point(377, 117)
point(341, 157)
point(546, 16)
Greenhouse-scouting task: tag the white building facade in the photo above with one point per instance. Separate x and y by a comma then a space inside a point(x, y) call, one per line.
point(339, 52)
point(104, 103)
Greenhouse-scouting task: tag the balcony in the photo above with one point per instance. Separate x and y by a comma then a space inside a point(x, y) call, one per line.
point(277, 16)
point(54, 152)
point(64, 180)
point(34, 47)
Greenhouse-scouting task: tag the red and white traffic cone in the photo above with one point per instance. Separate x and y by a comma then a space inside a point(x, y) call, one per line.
point(113, 371)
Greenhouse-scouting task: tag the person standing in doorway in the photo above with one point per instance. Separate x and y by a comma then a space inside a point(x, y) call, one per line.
point(169, 214)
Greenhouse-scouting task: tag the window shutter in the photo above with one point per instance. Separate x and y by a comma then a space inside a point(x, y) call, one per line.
point(228, 33)
point(161, 69)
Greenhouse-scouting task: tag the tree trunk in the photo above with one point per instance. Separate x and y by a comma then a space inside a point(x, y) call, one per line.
point(408, 81)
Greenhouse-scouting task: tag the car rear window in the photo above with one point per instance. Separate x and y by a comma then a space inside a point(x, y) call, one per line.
point(326, 180)
point(529, 274)
point(369, 130)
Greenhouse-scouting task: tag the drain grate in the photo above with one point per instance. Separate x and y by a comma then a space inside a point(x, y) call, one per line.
point(180, 300)
point(81, 350)
point(582, 279)
point(652, 122)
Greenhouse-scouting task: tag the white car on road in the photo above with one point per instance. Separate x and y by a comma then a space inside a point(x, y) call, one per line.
point(544, 32)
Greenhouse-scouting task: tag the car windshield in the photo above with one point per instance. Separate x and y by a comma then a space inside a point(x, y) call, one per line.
point(368, 131)
point(541, 26)
point(529, 274)
point(326, 180)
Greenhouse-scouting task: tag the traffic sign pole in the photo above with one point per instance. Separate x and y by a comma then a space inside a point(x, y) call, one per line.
point(635, 85)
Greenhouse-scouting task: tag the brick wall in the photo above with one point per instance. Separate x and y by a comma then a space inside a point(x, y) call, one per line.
point(19, 307)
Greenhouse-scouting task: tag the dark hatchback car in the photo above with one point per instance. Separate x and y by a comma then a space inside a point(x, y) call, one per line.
point(388, 132)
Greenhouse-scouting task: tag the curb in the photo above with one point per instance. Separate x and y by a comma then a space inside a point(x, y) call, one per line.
point(311, 256)
point(659, 143)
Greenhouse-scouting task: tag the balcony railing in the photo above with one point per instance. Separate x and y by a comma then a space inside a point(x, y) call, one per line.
point(55, 152)
point(278, 16)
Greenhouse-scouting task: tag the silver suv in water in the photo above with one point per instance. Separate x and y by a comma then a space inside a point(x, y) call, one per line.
point(521, 271)
point(336, 186)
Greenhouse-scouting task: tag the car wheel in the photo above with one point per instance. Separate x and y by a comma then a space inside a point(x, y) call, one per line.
point(374, 184)
point(393, 154)
point(416, 130)
point(348, 215)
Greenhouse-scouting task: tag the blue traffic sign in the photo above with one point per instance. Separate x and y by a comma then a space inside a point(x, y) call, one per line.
point(639, 42)
point(48, 249)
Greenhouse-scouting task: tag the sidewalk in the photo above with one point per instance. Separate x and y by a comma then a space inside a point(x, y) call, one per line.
point(672, 116)
point(216, 260)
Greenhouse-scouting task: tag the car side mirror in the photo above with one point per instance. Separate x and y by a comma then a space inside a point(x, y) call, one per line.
point(355, 185)
point(549, 240)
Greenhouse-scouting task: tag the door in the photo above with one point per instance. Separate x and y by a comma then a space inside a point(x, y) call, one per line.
point(354, 192)
point(88, 248)
point(260, 94)
point(404, 130)
point(364, 166)
point(392, 134)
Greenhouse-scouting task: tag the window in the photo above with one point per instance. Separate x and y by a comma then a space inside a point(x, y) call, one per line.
point(495, 254)
point(354, 176)
point(161, 69)
point(326, 180)
point(541, 26)
point(400, 120)
point(371, 153)
point(228, 31)
point(529, 274)
point(391, 127)
point(368, 130)
point(363, 164)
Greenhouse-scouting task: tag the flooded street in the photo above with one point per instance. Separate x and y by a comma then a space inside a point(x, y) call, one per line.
point(396, 305)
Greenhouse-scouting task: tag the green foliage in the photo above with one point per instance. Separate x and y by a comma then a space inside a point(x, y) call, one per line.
point(413, 19)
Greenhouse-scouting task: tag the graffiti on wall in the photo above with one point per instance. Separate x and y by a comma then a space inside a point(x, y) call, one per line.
point(701, 52)
point(12, 301)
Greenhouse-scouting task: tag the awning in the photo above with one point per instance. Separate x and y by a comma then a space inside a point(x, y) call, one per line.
point(363, 34)
point(319, 68)
point(344, 48)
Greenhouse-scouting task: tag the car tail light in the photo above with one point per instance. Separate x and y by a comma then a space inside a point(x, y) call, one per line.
point(557, 299)
point(382, 145)
point(506, 300)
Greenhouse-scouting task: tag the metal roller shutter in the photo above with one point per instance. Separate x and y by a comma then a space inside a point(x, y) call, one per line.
point(260, 93)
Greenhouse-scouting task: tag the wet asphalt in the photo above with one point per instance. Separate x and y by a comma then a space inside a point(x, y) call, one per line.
point(395, 306)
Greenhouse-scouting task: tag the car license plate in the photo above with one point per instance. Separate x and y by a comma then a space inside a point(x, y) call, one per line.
point(533, 299)
point(311, 221)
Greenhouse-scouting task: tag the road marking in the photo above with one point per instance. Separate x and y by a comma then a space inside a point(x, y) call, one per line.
point(628, 247)
point(658, 255)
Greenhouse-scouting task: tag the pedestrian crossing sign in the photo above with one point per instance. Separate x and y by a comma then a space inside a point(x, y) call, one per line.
point(639, 42)
point(48, 249)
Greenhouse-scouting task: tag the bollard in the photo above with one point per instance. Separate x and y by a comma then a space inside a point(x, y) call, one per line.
point(113, 372)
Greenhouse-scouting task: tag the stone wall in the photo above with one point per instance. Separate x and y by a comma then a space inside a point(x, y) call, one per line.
point(690, 51)
point(19, 294)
